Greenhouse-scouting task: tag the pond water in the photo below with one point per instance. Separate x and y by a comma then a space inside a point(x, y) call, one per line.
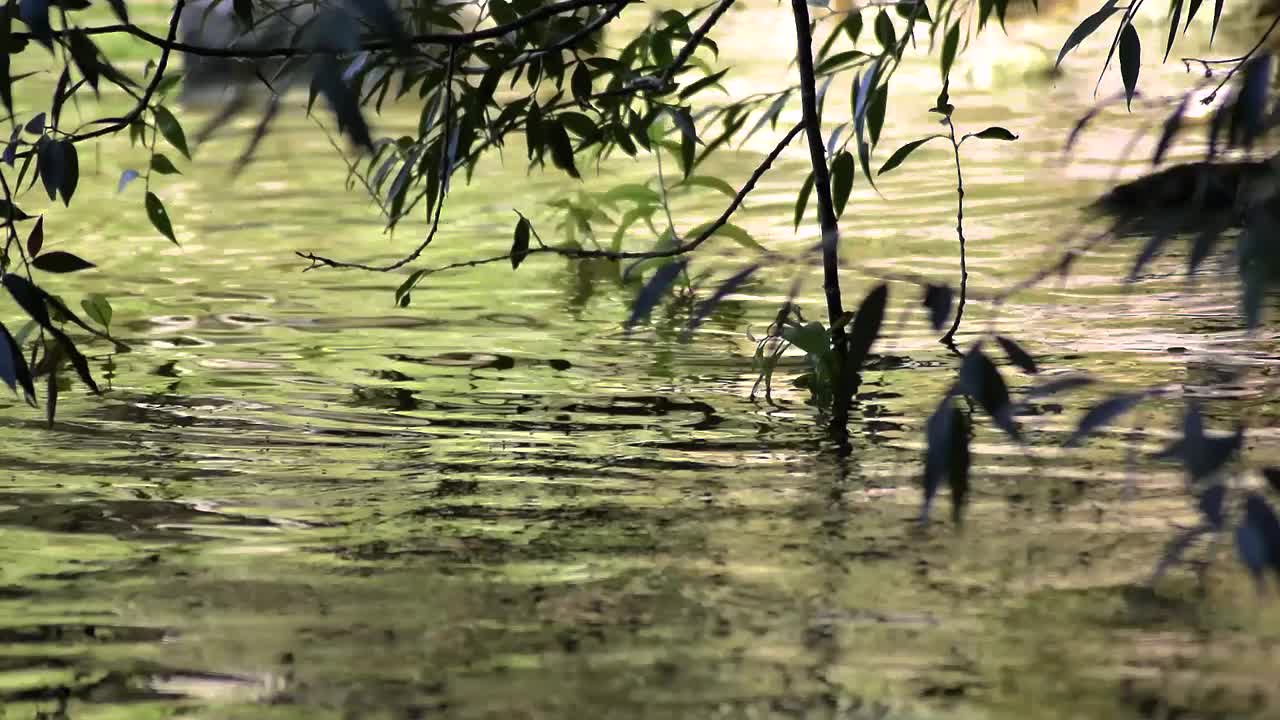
point(297, 501)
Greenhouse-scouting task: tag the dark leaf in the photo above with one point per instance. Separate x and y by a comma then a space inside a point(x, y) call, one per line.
point(901, 153)
point(1201, 246)
point(171, 129)
point(866, 327)
point(1191, 14)
point(688, 138)
point(160, 217)
point(731, 284)
point(937, 298)
point(13, 366)
point(163, 165)
point(1149, 250)
point(35, 240)
point(1102, 414)
point(842, 171)
point(802, 199)
point(653, 291)
point(1175, 19)
point(561, 148)
point(950, 44)
point(876, 111)
point(995, 133)
point(49, 160)
point(6, 79)
point(1217, 15)
point(1251, 102)
point(122, 12)
point(35, 13)
point(1203, 455)
point(520, 243)
point(28, 298)
point(947, 454)
point(1017, 355)
point(885, 34)
point(77, 360)
point(958, 467)
point(1263, 548)
point(243, 10)
point(981, 380)
point(70, 171)
point(85, 55)
point(10, 212)
point(1210, 503)
point(1176, 548)
point(1086, 28)
point(58, 261)
point(1130, 61)
point(1079, 127)
point(579, 83)
point(35, 125)
point(704, 82)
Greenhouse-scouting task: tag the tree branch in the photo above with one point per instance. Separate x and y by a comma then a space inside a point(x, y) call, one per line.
point(580, 253)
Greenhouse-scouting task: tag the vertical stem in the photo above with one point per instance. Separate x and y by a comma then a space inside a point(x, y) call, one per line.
point(950, 338)
point(821, 176)
point(843, 385)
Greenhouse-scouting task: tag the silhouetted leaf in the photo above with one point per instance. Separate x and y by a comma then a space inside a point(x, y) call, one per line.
point(243, 10)
point(1149, 250)
point(1217, 15)
point(653, 291)
point(994, 133)
point(118, 7)
point(981, 380)
point(802, 199)
point(1176, 548)
point(51, 396)
point(520, 243)
point(1203, 455)
point(947, 454)
point(85, 55)
point(950, 44)
point(98, 308)
point(1017, 355)
point(875, 112)
point(1086, 28)
point(842, 170)
point(1191, 14)
point(171, 129)
point(885, 34)
point(561, 149)
point(58, 261)
point(162, 165)
point(9, 212)
point(50, 161)
point(866, 327)
point(1130, 62)
point(1175, 19)
point(35, 240)
point(28, 298)
point(901, 153)
point(731, 284)
point(1258, 537)
point(1102, 414)
point(35, 13)
point(1210, 503)
point(70, 171)
point(6, 79)
point(1250, 108)
point(13, 366)
point(937, 298)
point(1201, 246)
point(126, 177)
point(688, 137)
point(159, 217)
point(1080, 126)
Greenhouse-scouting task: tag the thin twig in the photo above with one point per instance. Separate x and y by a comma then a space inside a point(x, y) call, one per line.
point(949, 338)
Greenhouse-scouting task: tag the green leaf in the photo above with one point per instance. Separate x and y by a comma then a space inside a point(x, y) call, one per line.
point(842, 172)
point(731, 232)
point(98, 309)
point(171, 129)
point(901, 153)
point(162, 165)
point(159, 217)
point(1130, 61)
point(713, 183)
point(802, 200)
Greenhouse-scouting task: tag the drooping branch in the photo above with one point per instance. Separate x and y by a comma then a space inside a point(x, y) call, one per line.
point(586, 254)
point(950, 338)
